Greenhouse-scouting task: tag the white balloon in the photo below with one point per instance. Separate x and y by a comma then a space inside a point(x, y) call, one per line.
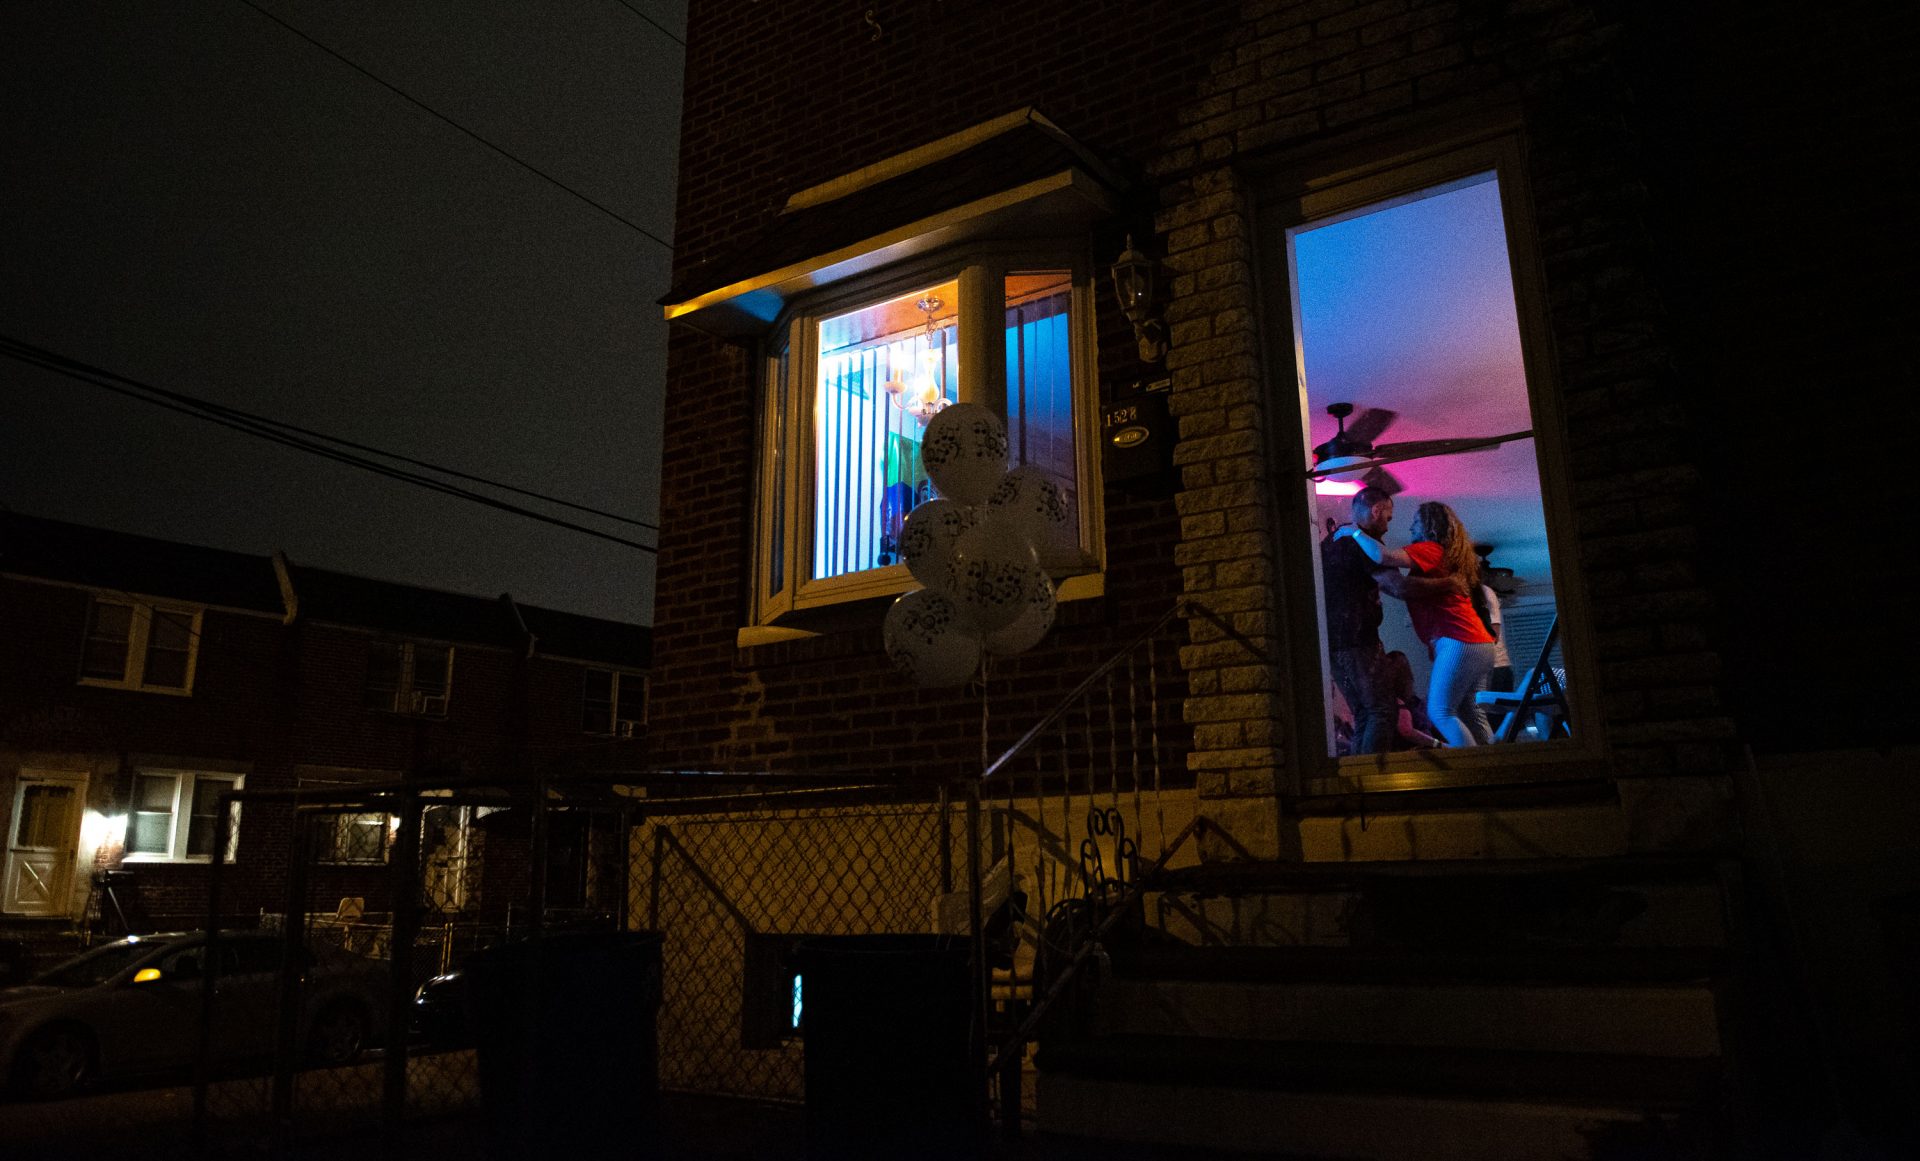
point(1025, 630)
point(964, 452)
point(1035, 505)
point(994, 570)
point(927, 539)
point(930, 640)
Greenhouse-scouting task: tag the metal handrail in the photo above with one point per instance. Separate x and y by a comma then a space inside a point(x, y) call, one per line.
point(1134, 890)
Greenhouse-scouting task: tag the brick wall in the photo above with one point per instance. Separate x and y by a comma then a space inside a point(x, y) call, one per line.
point(1646, 313)
point(270, 700)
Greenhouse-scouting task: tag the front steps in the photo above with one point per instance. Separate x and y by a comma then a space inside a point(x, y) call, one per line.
point(1484, 1009)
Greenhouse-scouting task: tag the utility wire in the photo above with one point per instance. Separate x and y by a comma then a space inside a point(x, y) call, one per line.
point(251, 417)
point(27, 353)
point(528, 166)
point(664, 30)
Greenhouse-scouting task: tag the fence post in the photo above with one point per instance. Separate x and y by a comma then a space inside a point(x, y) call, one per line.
point(977, 943)
point(624, 852)
point(946, 838)
point(209, 969)
point(405, 905)
point(293, 930)
point(537, 874)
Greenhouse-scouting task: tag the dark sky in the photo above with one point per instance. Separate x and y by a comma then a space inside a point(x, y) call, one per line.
point(196, 197)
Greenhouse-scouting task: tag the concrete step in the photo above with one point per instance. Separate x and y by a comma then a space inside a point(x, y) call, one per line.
point(1405, 965)
point(1645, 1019)
point(1350, 1126)
point(1630, 902)
point(1652, 1083)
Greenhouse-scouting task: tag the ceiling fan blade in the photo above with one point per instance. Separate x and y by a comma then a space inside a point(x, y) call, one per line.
point(1393, 453)
point(1367, 426)
point(1384, 480)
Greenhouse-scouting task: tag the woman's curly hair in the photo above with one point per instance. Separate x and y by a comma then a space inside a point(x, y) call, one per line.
point(1443, 527)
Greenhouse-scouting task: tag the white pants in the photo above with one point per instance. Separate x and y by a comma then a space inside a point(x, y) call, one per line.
point(1459, 672)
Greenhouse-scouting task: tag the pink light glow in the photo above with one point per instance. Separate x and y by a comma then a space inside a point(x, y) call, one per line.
point(1337, 487)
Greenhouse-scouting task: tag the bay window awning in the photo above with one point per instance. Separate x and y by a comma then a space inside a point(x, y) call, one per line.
point(1017, 176)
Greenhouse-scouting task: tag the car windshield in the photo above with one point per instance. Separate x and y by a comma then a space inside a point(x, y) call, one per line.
point(98, 965)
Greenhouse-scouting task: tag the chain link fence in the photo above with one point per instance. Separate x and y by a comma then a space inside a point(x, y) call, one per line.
point(340, 1006)
point(357, 974)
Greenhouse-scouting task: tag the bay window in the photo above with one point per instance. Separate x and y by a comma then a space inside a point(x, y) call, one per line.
point(852, 380)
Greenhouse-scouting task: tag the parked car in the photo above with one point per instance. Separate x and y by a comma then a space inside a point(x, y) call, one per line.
point(134, 1006)
point(440, 1018)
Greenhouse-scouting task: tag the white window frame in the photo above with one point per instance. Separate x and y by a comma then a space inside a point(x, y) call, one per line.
point(785, 487)
point(407, 700)
point(139, 626)
point(623, 726)
point(180, 811)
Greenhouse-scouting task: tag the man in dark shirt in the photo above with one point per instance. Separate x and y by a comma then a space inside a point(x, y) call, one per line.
point(1352, 584)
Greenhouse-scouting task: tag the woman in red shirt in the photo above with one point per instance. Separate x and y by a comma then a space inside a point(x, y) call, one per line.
point(1461, 648)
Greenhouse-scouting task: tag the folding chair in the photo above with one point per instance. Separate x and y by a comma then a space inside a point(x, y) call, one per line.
point(1543, 692)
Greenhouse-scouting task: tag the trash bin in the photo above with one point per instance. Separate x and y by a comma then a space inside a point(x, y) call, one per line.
point(887, 1023)
point(564, 1028)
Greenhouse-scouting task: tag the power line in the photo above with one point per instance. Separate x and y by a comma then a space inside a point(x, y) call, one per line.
point(254, 418)
point(192, 401)
point(664, 30)
point(416, 102)
point(213, 413)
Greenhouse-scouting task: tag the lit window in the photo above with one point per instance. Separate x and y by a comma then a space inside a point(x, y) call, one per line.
point(176, 815)
point(613, 702)
point(136, 644)
point(1408, 333)
point(354, 838)
point(851, 388)
point(408, 677)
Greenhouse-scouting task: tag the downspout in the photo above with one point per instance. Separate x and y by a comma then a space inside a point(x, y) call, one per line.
point(289, 596)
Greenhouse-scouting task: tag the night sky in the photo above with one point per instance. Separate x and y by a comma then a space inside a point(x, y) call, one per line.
point(198, 198)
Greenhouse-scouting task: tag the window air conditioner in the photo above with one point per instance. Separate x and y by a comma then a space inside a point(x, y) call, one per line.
point(624, 727)
point(433, 706)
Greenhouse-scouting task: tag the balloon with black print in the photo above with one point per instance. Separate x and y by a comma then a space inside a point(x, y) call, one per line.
point(928, 538)
point(930, 640)
point(994, 571)
point(964, 452)
point(1032, 623)
point(1034, 505)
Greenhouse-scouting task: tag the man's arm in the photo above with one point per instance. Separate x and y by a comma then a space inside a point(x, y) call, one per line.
point(1397, 584)
point(1379, 553)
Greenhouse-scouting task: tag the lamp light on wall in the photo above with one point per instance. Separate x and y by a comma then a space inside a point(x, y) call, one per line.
point(1133, 274)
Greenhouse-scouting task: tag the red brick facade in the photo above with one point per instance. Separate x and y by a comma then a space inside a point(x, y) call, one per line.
point(1227, 111)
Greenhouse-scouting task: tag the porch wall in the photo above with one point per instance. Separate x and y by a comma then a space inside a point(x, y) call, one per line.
point(707, 881)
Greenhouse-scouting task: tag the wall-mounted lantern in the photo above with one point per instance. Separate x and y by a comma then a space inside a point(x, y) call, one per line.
point(1133, 274)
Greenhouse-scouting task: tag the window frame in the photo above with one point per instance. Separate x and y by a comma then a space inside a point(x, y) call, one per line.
point(185, 786)
point(614, 717)
point(404, 693)
point(1341, 185)
point(133, 667)
point(785, 443)
point(338, 825)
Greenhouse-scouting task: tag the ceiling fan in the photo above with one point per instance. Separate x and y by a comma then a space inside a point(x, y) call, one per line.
point(1500, 580)
point(1352, 455)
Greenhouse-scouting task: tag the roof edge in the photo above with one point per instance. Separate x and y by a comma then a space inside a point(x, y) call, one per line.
point(920, 155)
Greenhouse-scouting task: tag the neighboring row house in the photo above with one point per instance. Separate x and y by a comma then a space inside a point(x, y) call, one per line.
point(1573, 232)
point(143, 678)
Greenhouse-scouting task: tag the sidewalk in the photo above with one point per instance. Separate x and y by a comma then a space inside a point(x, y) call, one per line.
point(153, 1124)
